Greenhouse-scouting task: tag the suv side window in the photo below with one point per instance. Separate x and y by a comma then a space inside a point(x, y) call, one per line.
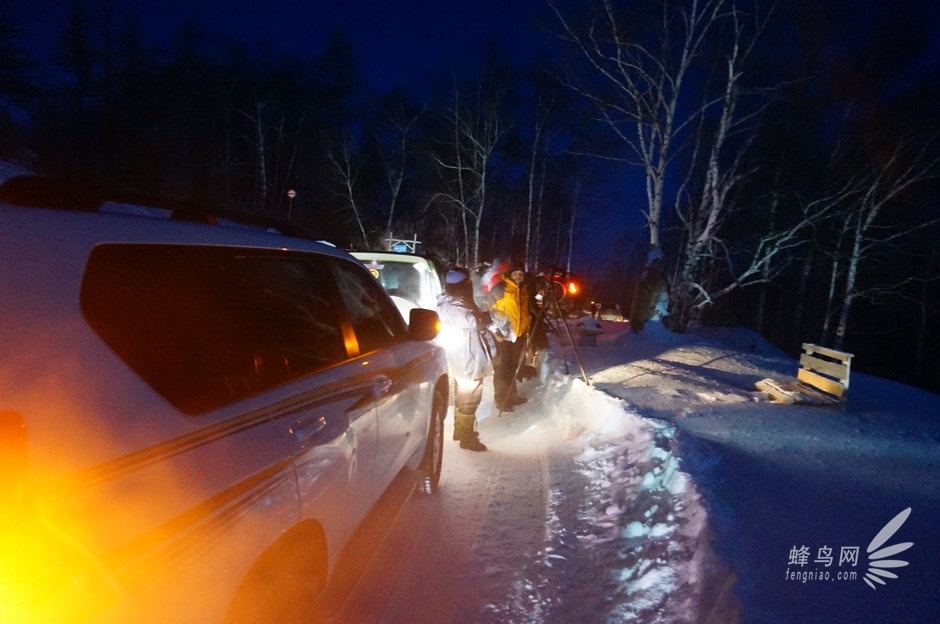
point(375, 319)
point(207, 326)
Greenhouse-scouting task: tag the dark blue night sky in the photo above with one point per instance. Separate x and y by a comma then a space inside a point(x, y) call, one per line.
point(397, 42)
point(393, 40)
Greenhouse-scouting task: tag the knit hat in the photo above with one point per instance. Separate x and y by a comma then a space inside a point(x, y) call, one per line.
point(455, 276)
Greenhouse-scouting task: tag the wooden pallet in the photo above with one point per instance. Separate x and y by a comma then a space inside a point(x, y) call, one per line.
point(822, 379)
point(795, 393)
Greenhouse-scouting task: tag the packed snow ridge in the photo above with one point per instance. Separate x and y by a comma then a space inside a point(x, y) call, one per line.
point(626, 529)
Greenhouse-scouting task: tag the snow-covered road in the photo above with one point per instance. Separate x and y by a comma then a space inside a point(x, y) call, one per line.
point(668, 491)
point(576, 513)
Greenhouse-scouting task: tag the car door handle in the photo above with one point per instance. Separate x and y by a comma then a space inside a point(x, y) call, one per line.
point(319, 429)
point(381, 385)
point(305, 429)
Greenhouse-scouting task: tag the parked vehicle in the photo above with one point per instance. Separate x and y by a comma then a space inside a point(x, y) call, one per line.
point(413, 280)
point(194, 419)
point(610, 312)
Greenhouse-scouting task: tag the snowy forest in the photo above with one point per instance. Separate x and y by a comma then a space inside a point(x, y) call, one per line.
point(766, 165)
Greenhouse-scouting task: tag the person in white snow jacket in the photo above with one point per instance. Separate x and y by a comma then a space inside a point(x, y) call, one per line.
point(467, 337)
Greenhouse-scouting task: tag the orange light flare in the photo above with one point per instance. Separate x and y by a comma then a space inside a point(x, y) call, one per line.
point(75, 546)
point(45, 576)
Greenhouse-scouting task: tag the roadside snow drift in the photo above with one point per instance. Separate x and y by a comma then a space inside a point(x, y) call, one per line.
point(626, 534)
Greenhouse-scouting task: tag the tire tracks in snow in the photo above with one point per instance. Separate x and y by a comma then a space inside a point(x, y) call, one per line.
point(452, 558)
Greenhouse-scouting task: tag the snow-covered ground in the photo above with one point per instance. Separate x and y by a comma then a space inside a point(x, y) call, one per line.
point(667, 489)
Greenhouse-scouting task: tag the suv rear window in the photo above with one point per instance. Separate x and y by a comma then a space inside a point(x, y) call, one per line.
point(207, 326)
point(399, 278)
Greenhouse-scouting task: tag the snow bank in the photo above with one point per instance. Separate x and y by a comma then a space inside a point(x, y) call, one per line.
point(633, 545)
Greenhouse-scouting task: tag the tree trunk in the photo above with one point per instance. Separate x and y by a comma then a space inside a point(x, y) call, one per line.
point(849, 293)
point(647, 295)
point(799, 308)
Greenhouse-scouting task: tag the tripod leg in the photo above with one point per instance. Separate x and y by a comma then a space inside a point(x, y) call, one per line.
point(574, 349)
point(561, 344)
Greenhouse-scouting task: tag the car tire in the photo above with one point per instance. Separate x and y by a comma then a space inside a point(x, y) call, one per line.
point(429, 472)
point(286, 600)
point(284, 584)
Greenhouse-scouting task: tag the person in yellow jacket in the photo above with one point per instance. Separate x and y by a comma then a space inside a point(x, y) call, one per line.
point(512, 298)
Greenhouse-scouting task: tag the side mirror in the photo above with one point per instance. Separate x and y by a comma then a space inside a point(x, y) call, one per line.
point(423, 324)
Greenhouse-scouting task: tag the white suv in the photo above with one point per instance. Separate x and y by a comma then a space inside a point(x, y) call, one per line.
point(194, 419)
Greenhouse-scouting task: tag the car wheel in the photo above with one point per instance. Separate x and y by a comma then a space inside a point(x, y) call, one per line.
point(282, 599)
point(429, 473)
point(284, 584)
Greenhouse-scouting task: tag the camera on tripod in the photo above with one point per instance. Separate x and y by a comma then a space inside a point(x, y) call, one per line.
point(558, 290)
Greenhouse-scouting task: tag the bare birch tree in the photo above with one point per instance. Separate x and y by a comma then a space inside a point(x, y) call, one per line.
point(873, 188)
point(345, 169)
point(638, 87)
point(273, 154)
point(395, 148)
point(536, 179)
point(673, 95)
point(723, 139)
point(464, 161)
point(550, 121)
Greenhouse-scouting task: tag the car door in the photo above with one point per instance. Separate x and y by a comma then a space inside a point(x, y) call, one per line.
point(322, 395)
point(380, 334)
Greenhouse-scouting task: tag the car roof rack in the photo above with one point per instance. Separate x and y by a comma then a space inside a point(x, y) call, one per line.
point(36, 191)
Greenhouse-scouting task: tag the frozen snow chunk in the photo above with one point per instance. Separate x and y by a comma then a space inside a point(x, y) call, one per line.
point(625, 575)
point(653, 585)
point(649, 482)
point(660, 530)
point(659, 453)
point(634, 529)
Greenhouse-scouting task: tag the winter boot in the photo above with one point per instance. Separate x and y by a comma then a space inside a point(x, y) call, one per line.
point(464, 430)
point(458, 432)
